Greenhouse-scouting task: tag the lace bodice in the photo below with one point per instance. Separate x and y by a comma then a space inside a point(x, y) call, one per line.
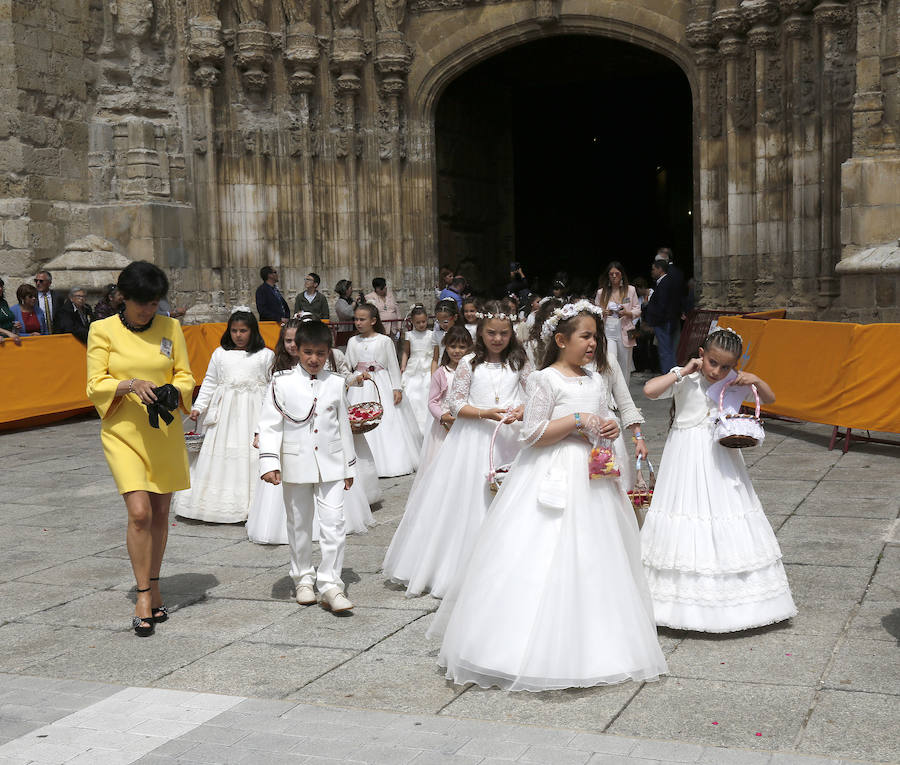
point(551, 395)
point(234, 370)
point(489, 386)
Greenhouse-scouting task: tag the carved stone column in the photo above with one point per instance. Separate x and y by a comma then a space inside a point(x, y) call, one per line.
point(709, 268)
point(301, 57)
point(253, 54)
point(206, 50)
point(347, 56)
point(392, 60)
point(868, 103)
point(741, 234)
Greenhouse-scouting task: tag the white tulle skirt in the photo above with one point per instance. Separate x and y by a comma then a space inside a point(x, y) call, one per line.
point(431, 445)
point(366, 472)
point(396, 442)
point(416, 384)
point(552, 598)
point(711, 559)
point(446, 509)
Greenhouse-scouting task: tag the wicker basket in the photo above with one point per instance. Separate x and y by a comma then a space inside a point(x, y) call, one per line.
point(193, 441)
point(739, 431)
point(366, 415)
point(642, 493)
point(498, 473)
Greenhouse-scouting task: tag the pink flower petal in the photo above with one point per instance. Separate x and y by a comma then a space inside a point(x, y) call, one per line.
point(715, 723)
point(759, 734)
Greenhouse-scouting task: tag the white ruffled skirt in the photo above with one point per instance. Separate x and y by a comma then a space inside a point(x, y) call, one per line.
point(711, 559)
point(416, 383)
point(552, 598)
point(446, 508)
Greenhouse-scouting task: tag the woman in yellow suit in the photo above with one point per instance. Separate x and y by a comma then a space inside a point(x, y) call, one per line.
point(128, 355)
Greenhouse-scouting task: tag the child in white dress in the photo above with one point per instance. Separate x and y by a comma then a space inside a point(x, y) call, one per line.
point(223, 477)
point(396, 442)
point(553, 595)
point(470, 315)
point(445, 511)
point(457, 343)
point(446, 314)
point(415, 364)
point(712, 561)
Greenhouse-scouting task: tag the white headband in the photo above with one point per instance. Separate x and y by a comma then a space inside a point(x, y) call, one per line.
point(244, 308)
point(568, 311)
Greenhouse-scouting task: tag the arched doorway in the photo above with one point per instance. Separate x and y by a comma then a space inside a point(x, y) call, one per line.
point(564, 153)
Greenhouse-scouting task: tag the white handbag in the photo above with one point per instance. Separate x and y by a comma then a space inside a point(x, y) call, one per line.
point(739, 431)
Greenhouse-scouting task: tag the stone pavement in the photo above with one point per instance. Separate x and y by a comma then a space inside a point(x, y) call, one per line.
point(825, 685)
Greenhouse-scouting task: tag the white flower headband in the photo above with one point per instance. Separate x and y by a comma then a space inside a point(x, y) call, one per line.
point(244, 308)
point(568, 311)
point(501, 316)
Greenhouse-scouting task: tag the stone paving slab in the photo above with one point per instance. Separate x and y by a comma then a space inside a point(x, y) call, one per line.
point(66, 595)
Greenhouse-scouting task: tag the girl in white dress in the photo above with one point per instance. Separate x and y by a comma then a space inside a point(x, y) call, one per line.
point(470, 315)
point(223, 477)
point(415, 364)
point(711, 558)
point(267, 521)
point(446, 314)
point(553, 595)
point(457, 343)
point(396, 442)
point(534, 345)
point(446, 508)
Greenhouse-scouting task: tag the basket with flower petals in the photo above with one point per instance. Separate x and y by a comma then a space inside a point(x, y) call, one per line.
point(366, 415)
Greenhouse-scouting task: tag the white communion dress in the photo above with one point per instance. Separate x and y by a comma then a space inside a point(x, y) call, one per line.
point(711, 559)
point(441, 382)
point(553, 595)
point(445, 510)
point(417, 375)
point(396, 442)
point(223, 475)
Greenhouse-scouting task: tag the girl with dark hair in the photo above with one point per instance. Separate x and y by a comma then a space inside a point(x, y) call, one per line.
point(711, 558)
point(224, 475)
point(134, 359)
point(415, 364)
point(553, 594)
point(446, 509)
point(535, 345)
point(446, 314)
point(470, 316)
point(396, 442)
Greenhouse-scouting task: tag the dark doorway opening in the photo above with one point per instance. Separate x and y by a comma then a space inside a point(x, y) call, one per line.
point(564, 154)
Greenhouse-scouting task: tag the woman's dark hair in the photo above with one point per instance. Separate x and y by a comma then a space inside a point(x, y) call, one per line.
point(540, 316)
point(727, 341)
point(143, 282)
point(456, 335)
point(447, 305)
point(510, 305)
point(373, 313)
point(513, 354)
point(108, 291)
point(378, 282)
point(25, 291)
point(343, 287)
point(256, 342)
point(284, 360)
point(313, 332)
point(606, 285)
point(566, 328)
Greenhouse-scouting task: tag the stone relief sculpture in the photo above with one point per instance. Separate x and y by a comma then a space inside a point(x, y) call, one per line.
point(252, 44)
point(297, 11)
point(390, 15)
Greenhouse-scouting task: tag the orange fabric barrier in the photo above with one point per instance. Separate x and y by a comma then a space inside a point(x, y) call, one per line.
point(45, 377)
point(827, 372)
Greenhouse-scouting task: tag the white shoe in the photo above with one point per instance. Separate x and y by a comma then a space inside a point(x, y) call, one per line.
point(335, 601)
point(305, 595)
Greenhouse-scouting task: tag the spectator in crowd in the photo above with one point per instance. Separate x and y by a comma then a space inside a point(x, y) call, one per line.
point(270, 303)
point(454, 291)
point(29, 315)
point(345, 304)
point(676, 276)
point(8, 325)
point(559, 289)
point(74, 316)
point(383, 299)
point(48, 300)
point(109, 304)
point(311, 300)
point(518, 284)
point(662, 313)
point(165, 309)
point(445, 276)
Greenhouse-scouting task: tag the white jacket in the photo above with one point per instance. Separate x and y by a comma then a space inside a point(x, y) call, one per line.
point(304, 428)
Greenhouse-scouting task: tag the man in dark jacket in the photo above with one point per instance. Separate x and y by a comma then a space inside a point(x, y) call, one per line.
point(663, 312)
point(311, 300)
point(74, 316)
point(270, 303)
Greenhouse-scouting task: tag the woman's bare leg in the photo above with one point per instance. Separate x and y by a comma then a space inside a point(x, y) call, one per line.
point(159, 531)
point(139, 541)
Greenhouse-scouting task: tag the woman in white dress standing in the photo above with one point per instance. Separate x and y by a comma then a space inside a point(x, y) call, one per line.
point(224, 476)
point(449, 503)
point(397, 440)
point(415, 364)
point(621, 306)
point(553, 595)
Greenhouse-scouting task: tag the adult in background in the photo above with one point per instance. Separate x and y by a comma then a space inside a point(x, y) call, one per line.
point(270, 303)
point(663, 313)
point(28, 313)
point(621, 306)
point(518, 284)
point(74, 316)
point(345, 304)
point(383, 299)
point(445, 276)
point(109, 303)
point(137, 362)
point(48, 300)
point(311, 300)
point(454, 291)
point(9, 327)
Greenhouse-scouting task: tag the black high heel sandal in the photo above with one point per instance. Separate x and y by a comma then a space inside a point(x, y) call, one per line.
point(137, 623)
point(159, 614)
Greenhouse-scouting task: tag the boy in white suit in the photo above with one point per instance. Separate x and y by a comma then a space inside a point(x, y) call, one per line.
point(305, 442)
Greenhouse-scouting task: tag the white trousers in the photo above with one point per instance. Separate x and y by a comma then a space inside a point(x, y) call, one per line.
point(622, 354)
point(300, 502)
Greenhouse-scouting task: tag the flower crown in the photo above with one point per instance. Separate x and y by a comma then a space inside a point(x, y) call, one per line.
point(568, 311)
point(502, 316)
point(244, 308)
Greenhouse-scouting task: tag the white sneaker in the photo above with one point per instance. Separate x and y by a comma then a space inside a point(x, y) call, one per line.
point(305, 595)
point(335, 601)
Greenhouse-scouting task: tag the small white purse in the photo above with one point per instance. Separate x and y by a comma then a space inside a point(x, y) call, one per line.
point(739, 431)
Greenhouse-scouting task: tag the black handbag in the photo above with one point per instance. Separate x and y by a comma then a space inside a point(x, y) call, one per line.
point(167, 400)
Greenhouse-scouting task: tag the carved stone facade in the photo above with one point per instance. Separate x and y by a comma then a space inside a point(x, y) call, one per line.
point(215, 136)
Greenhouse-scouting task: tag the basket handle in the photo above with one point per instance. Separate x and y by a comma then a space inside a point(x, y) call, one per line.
point(728, 385)
point(493, 473)
point(377, 392)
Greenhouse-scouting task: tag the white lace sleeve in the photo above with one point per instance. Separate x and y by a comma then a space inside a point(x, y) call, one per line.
point(538, 409)
point(458, 396)
point(524, 374)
